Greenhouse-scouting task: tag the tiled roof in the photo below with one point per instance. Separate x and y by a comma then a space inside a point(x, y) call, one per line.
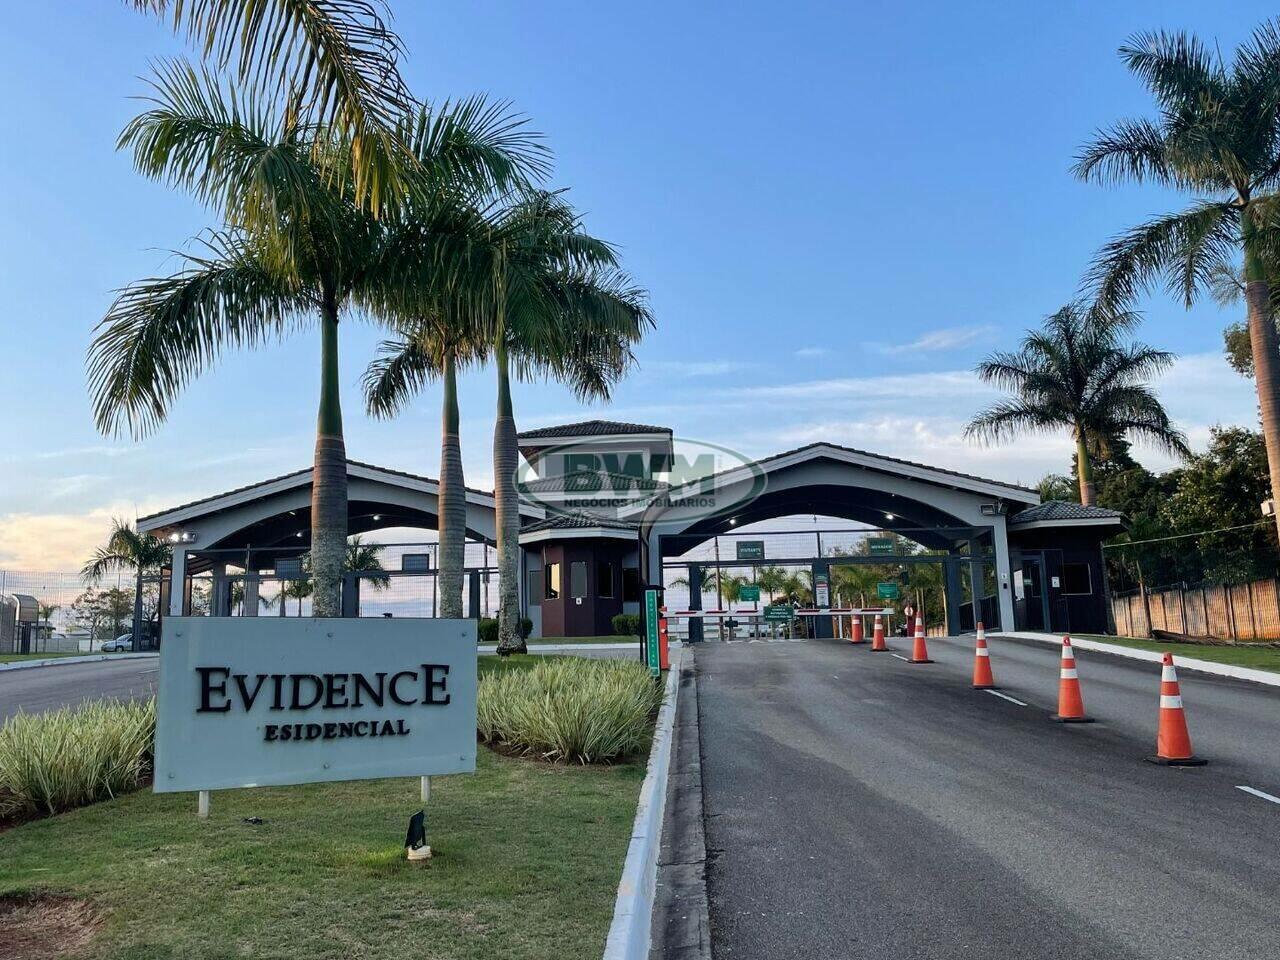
point(590, 481)
point(577, 521)
point(590, 428)
point(1062, 511)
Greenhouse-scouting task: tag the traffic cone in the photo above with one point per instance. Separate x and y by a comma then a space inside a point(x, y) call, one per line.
point(982, 678)
point(856, 636)
point(1173, 743)
point(877, 636)
point(919, 650)
point(1070, 703)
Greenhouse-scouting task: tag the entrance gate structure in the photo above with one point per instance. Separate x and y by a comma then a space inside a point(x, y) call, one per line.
point(960, 520)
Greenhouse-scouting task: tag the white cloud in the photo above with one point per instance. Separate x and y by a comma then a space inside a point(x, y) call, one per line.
point(695, 368)
point(948, 338)
point(946, 383)
point(812, 353)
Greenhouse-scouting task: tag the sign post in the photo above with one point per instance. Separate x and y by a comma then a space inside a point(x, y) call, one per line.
point(888, 591)
point(749, 592)
point(750, 549)
point(652, 655)
point(880, 546)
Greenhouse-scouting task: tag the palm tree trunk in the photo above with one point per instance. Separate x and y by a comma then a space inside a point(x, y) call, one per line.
point(506, 453)
point(1084, 468)
point(328, 478)
point(1262, 341)
point(452, 515)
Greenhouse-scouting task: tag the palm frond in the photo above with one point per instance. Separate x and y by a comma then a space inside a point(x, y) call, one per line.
point(1130, 150)
point(161, 333)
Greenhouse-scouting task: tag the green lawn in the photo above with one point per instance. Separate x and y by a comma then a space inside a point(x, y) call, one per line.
point(528, 858)
point(15, 657)
point(534, 641)
point(1242, 655)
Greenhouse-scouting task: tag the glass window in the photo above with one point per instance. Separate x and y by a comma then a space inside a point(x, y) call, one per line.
point(532, 592)
point(1077, 579)
point(604, 580)
point(552, 580)
point(578, 579)
point(630, 585)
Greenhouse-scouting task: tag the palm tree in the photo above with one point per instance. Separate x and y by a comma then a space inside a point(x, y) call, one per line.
point(297, 251)
point(1075, 373)
point(337, 60)
point(569, 314)
point(128, 550)
point(771, 580)
point(1218, 136)
point(561, 310)
point(366, 559)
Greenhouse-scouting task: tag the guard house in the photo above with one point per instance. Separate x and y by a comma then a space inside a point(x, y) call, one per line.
point(610, 508)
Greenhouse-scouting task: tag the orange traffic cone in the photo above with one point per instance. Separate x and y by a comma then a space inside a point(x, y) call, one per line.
point(1070, 703)
point(1173, 743)
point(877, 636)
point(856, 636)
point(982, 678)
point(919, 650)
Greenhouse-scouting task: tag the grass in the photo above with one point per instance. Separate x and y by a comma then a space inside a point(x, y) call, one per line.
point(570, 710)
point(527, 863)
point(528, 857)
point(534, 641)
point(19, 657)
point(1240, 655)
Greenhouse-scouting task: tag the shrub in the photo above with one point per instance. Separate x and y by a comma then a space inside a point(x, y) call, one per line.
point(488, 630)
point(627, 624)
point(569, 710)
point(50, 762)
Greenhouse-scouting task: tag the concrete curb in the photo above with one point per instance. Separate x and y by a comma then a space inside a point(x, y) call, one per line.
point(1266, 677)
point(630, 933)
point(681, 913)
point(88, 658)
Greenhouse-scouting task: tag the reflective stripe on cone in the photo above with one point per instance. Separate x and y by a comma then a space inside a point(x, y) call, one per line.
point(919, 649)
point(877, 636)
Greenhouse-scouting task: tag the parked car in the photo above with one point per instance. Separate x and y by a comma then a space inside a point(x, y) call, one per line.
point(121, 644)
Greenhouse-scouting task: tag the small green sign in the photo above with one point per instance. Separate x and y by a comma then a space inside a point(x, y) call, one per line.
point(888, 591)
point(750, 549)
point(749, 592)
point(880, 546)
point(651, 632)
point(779, 613)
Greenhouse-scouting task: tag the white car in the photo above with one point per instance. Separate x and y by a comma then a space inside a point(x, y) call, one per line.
point(120, 644)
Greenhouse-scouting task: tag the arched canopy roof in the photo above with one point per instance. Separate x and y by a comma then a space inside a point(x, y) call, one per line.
point(274, 512)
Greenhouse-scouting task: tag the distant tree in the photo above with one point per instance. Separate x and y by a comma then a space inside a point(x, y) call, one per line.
point(1054, 486)
point(1077, 374)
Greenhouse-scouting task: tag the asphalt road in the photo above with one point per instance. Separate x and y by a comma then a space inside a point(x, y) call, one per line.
point(860, 806)
point(47, 688)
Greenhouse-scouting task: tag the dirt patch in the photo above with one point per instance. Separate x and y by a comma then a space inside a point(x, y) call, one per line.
point(44, 926)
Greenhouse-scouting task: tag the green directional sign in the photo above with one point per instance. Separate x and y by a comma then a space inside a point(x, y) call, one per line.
point(779, 613)
point(651, 632)
point(888, 591)
point(880, 546)
point(749, 592)
point(750, 549)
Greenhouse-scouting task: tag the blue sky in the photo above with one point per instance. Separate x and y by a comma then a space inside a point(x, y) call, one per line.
point(838, 209)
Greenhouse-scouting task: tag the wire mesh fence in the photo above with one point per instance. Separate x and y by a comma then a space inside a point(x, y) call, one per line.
point(72, 614)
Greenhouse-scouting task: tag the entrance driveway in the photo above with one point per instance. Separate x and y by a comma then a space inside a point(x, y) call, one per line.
point(858, 806)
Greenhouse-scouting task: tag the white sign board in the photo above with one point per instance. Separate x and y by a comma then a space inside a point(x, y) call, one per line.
point(258, 701)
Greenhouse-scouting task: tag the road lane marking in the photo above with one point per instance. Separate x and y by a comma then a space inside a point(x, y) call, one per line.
point(1005, 696)
point(1257, 793)
point(900, 657)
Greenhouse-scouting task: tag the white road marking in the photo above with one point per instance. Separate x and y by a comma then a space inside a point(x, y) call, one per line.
point(1005, 696)
point(1257, 793)
point(900, 657)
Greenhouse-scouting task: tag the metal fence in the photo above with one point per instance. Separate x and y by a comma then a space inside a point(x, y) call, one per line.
point(75, 614)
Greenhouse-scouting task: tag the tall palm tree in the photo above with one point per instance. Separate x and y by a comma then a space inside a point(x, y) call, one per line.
point(566, 313)
point(1076, 373)
point(336, 59)
point(559, 310)
point(297, 251)
point(771, 579)
point(1218, 136)
point(128, 550)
